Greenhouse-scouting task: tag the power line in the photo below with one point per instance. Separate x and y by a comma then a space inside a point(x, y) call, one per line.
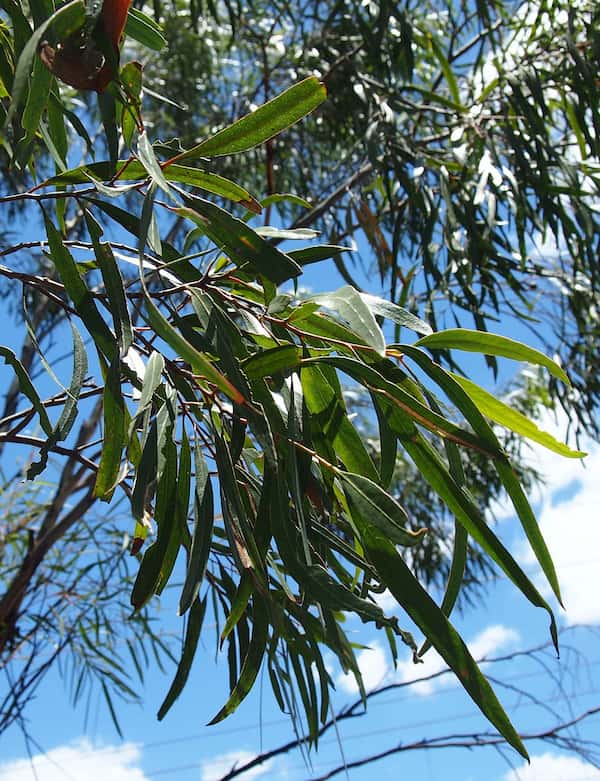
point(387, 730)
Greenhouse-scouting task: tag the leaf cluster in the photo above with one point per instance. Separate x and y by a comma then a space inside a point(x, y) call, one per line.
point(220, 391)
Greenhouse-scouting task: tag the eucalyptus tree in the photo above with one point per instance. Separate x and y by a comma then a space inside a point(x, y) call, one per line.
point(206, 393)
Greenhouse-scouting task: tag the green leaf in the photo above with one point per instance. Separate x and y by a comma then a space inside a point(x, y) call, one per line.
point(380, 509)
point(126, 171)
point(143, 29)
point(148, 160)
point(462, 506)
point(203, 529)
point(26, 387)
point(433, 623)
point(240, 242)
point(146, 474)
point(329, 416)
point(190, 643)
point(505, 471)
point(395, 313)
point(308, 255)
point(113, 284)
point(151, 569)
point(455, 576)
point(490, 344)
point(69, 411)
point(66, 20)
point(391, 390)
point(114, 434)
point(201, 365)
point(348, 304)
point(512, 419)
point(152, 378)
point(268, 362)
point(37, 98)
point(252, 661)
point(78, 292)
point(264, 123)
point(237, 524)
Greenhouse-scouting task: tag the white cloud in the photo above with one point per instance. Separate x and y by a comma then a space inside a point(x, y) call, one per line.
point(376, 668)
point(553, 767)
point(77, 761)
point(215, 768)
point(568, 518)
point(485, 644)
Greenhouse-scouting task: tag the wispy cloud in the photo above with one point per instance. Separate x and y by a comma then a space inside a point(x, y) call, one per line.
point(215, 768)
point(568, 516)
point(76, 761)
point(554, 767)
point(376, 669)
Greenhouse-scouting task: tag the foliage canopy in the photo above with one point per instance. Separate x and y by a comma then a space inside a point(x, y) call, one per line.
point(218, 387)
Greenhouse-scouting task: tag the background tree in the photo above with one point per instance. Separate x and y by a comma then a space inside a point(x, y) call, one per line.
point(249, 377)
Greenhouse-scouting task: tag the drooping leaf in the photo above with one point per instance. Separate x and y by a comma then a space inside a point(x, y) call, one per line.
point(202, 535)
point(238, 240)
point(433, 623)
point(190, 643)
point(252, 661)
point(379, 508)
point(78, 292)
point(495, 409)
point(27, 387)
point(491, 344)
point(69, 412)
point(114, 433)
point(505, 471)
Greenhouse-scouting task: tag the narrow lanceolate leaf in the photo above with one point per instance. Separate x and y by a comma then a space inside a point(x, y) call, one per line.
point(455, 576)
point(148, 160)
point(202, 536)
point(114, 433)
point(190, 643)
point(78, 292)
point(348, 304)
point(69, 411)
point(268, 362)
point(377, 506)
point(330, 421)
point(316, 254)
point(143, 29)
point(37, 98)
point(199, 362)
point(252, 661)
point(151, 569)
point(510, 418)
point(420, 413)
point(152, 379)
point(134, 171)
point(469, 409)
point(238, 240)
point(113, 284)
point(459, 502)
point(395, 313)
point(264, 123)
point(490, 344)
point(409, 593)
point(27, 388)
